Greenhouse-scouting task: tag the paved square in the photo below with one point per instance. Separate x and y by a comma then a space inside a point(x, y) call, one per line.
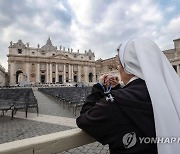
point(52, 118)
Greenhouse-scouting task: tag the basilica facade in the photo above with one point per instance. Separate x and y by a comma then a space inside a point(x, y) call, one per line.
point(47, 64)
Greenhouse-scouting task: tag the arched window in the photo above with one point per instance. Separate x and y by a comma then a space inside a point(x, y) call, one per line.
point(17, 76)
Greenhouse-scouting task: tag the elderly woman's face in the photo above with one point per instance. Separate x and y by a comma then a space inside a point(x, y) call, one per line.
point(122, 72)
point(120, 68)
point(124, 76)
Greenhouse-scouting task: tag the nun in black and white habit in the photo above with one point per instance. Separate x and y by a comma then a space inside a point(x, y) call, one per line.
point(148, 106)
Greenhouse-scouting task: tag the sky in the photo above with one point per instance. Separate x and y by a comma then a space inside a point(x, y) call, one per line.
point(99, 25)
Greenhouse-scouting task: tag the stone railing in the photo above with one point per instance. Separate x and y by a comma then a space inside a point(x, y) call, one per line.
point(48, 144)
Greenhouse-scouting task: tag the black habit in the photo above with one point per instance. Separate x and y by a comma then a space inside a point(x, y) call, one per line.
point(108, 118)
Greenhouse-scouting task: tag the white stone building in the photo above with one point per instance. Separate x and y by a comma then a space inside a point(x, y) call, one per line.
point(2, 76)
point(47, 64)
point(110, 65)
point(174, 55)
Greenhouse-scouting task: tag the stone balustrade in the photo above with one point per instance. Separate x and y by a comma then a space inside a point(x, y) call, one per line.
point(48, 144)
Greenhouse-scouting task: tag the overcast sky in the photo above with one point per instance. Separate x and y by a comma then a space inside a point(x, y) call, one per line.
point(99, 25)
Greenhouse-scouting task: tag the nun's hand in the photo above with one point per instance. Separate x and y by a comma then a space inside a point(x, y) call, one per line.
point(114, 81)
point(102, 78)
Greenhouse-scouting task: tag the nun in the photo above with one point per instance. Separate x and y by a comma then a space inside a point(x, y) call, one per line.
point(143, 116)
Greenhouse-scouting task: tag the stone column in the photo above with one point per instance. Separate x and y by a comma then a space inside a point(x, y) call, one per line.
point(70, 73)
point(27, 71)
point(37, 73)
point(50, 69)
point(12, 74)
point(79, 73)
point(47, 73)
point(86, 73)
point(94, 74)
point(64, 73)
point(57, 80)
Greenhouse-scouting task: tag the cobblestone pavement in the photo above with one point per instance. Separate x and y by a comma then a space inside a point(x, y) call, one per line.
point(93, 148)
point(17, 129)
point(46, 118)
point(52, 119)
point(48, 106)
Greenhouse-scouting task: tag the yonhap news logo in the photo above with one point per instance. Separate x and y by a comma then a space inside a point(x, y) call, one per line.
point(130, 139)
